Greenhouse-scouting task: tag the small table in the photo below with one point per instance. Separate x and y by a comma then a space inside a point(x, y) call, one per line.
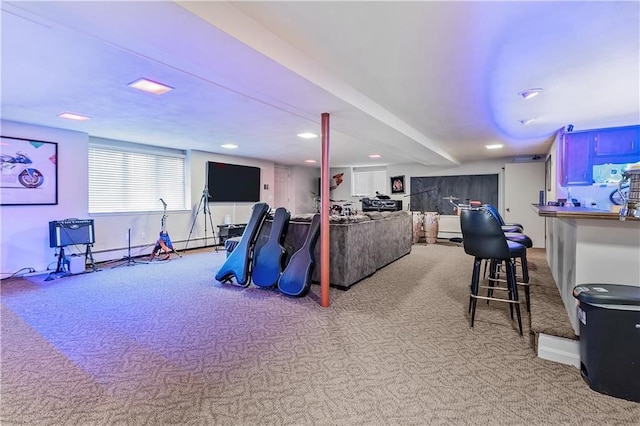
point(230, 230)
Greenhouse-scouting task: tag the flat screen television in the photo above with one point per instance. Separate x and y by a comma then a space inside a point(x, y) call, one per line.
point(232, 183)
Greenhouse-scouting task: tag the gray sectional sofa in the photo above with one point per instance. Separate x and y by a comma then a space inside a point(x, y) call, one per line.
point(359, 245)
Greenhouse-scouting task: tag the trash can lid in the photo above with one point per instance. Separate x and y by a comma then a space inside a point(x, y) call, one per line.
point(607, 294)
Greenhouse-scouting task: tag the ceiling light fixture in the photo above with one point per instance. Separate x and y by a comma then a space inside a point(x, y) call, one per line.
point(229, 146)
point(309, 161)
point(71, 116)
point(526, 121)
point(307, 135)
point(375, 156)
point(530, 93)
point(494, 146)
point(150, 86)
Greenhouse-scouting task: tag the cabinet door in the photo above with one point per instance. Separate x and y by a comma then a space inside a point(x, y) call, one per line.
point(576, 162)
point(616, 142)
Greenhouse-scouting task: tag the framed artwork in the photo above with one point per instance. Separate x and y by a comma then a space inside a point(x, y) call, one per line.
point(29, 172)
point(397, 184)
point(547, 173)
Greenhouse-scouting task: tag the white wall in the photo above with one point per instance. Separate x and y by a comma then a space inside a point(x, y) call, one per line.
point(343, 191)
point(238, 212)
point(472, 168)
point(25, 229)
point(409, 170)
point(25, 233)
point(449, 225)
point(187, 228)
point(304, 181)
point(303, 184)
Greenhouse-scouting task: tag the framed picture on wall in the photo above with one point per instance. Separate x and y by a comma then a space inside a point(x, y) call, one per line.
point(397, 184)
point(29, 172)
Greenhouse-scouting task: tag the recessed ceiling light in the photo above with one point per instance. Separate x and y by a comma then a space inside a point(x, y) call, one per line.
point(309, 161)
point(375, 156)
point(72, 116)
point(150, 86)
point(530, 93)
point(229, 146)
point(526, 121)
point(494, 146)
point(307, 135)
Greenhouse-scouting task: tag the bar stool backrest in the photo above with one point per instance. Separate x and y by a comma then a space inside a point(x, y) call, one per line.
point(482, 234)
point(495, 213)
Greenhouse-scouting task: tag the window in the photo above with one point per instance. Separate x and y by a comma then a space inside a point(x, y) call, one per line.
point(126, 177)
point(367, 180)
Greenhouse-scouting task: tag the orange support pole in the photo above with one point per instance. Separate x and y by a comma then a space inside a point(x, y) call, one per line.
point(324, 214)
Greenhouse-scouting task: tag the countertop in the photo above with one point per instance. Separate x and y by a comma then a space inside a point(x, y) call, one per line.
point(578, 213)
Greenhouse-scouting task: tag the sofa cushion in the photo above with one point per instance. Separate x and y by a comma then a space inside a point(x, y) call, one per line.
point(352, 253)
point(397, 231)
point(302, 217)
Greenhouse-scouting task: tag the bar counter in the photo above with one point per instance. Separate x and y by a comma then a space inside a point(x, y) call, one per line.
point(579, 213)
point(588, 246)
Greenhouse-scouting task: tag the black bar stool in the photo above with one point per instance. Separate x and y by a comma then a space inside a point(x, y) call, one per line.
point(517, 237)
point(506, 227)
point(484, 239)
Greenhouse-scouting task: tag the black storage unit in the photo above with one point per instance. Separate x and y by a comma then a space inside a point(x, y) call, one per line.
point(609, 317)
point(381, 205)
point(228, 231)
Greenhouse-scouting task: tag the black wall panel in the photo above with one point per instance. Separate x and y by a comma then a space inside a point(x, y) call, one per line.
point(428, 193)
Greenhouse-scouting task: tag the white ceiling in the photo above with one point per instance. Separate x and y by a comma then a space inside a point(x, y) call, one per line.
point(430, 82)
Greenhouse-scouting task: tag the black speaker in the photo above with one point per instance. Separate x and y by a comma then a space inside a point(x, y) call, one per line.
point(69, 232)
point(376, 205)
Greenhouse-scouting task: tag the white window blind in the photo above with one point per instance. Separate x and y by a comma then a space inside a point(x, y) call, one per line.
point(133, 178)
point(367, 180)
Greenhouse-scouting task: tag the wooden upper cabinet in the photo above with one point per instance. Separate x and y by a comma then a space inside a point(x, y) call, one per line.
point(576, 165)
point(585, 149)
point(620, 141)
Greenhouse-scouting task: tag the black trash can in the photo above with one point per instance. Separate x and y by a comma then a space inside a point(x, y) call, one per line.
point(609, 316)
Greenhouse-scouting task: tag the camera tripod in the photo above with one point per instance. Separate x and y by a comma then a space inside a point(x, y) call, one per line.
point(204, 206)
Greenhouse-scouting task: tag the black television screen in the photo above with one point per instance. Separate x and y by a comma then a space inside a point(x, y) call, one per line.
point(233, 183)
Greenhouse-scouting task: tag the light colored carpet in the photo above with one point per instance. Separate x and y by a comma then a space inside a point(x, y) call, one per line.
point(548, 313)
point(164, 344)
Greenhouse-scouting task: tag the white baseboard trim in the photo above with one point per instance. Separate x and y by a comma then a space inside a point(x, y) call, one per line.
point(559, 349)
point(447, 234)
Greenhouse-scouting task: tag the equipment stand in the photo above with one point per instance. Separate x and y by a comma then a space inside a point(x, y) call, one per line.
point(61, 266)
point(204, 204)
point(130, 261)
point(88, 258)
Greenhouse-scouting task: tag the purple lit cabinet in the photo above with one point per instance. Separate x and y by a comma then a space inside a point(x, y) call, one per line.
point(576, 165)
point(583, 150)
point(617, 142)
